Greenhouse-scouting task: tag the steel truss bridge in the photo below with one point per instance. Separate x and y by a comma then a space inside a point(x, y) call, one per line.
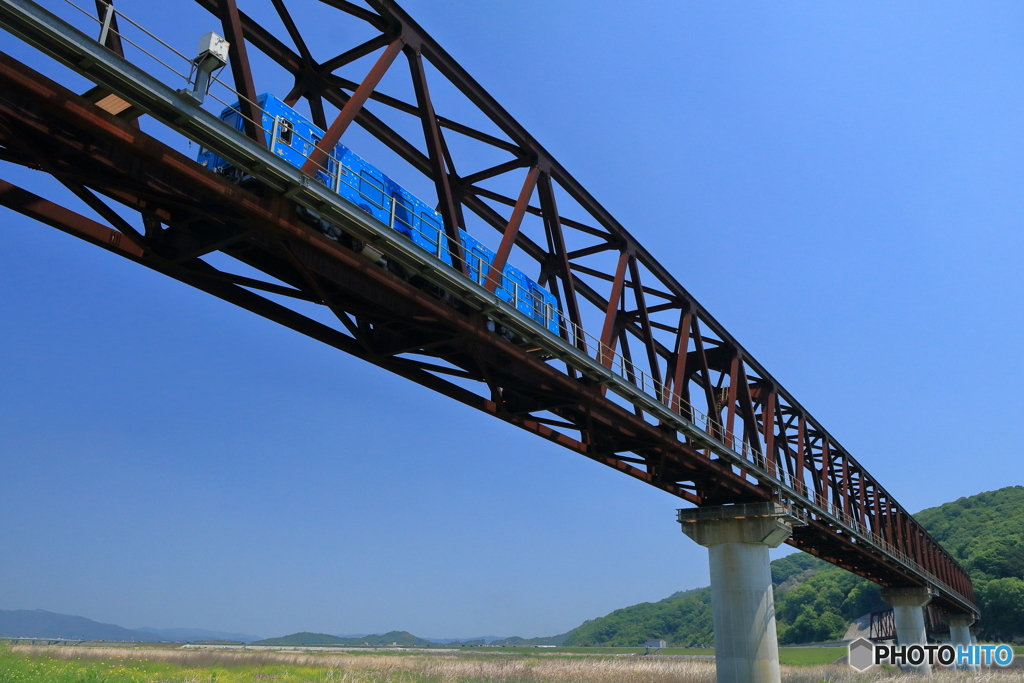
point(640, 377)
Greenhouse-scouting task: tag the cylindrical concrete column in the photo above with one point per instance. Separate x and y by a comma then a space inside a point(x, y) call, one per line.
point(743, 607)
point(742, 602)
point(908, 614)
point(960, 630)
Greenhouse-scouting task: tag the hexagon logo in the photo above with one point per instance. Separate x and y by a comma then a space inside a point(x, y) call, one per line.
point(861, 654)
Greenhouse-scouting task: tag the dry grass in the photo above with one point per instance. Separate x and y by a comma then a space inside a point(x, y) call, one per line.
point(459, 668)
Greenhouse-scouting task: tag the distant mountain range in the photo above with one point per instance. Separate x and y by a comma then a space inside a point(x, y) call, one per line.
point(37, 623)
point(403, 638)
point(406, 639)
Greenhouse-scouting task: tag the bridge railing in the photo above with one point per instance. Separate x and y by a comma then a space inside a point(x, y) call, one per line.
point(715, 435)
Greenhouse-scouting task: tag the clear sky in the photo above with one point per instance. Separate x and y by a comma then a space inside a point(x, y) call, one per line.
point(839, 183)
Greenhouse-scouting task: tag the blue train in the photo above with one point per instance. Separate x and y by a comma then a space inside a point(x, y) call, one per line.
point(292, 137)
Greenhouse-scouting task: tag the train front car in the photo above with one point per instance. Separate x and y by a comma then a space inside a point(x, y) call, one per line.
point(292, 137)
point(289, 135)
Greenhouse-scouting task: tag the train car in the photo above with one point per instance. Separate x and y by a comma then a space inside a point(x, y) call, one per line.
point(378, 195)
point(514, 287)
point(293, 138)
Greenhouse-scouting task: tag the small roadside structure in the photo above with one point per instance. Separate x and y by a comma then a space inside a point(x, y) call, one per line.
point(655, 644)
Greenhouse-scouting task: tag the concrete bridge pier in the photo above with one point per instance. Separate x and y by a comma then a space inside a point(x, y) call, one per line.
point(974, 641)
point(742, 602)
point(960, 631)
point(908, 613)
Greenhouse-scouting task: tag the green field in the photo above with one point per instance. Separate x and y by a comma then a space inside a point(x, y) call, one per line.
point(810, 656)
point(15, 668)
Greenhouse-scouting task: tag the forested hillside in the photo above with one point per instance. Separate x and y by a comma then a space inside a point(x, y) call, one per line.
point(815, 601)
point(985, 533)
point(683, 619)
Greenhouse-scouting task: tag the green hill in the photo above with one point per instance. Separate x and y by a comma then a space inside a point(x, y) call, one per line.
point(985, 533)
point(815, 601)
point(401, 638)
point(683, 620)
point(303, 638)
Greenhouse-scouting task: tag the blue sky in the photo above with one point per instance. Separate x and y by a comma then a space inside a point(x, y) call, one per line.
point(838, 183)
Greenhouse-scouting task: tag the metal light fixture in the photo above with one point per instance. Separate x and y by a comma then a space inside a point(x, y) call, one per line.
point(212, 55)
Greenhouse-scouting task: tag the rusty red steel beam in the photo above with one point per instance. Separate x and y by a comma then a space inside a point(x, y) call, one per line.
point(446, 202)
point(556, 246)
point(348, 113)
point(608, 330)
point(650, 344)
point(677, 373)
point(497, 267)
point(241, 71)
point(65, 220)
point(293, 31)
point(358, 52)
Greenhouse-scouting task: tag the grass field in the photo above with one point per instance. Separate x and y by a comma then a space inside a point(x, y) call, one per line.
point(62, 664)
point(810, 656)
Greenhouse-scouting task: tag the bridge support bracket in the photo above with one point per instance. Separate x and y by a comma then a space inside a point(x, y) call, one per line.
point(738, 538)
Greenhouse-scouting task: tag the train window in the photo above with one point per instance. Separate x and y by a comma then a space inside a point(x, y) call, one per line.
point(479, 263)
point(285, 131)
point(371, 189)
point(403, 212)
point(431, 231)
point(401, 203)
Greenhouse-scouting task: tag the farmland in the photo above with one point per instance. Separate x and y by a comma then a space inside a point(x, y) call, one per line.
point(144, 664)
